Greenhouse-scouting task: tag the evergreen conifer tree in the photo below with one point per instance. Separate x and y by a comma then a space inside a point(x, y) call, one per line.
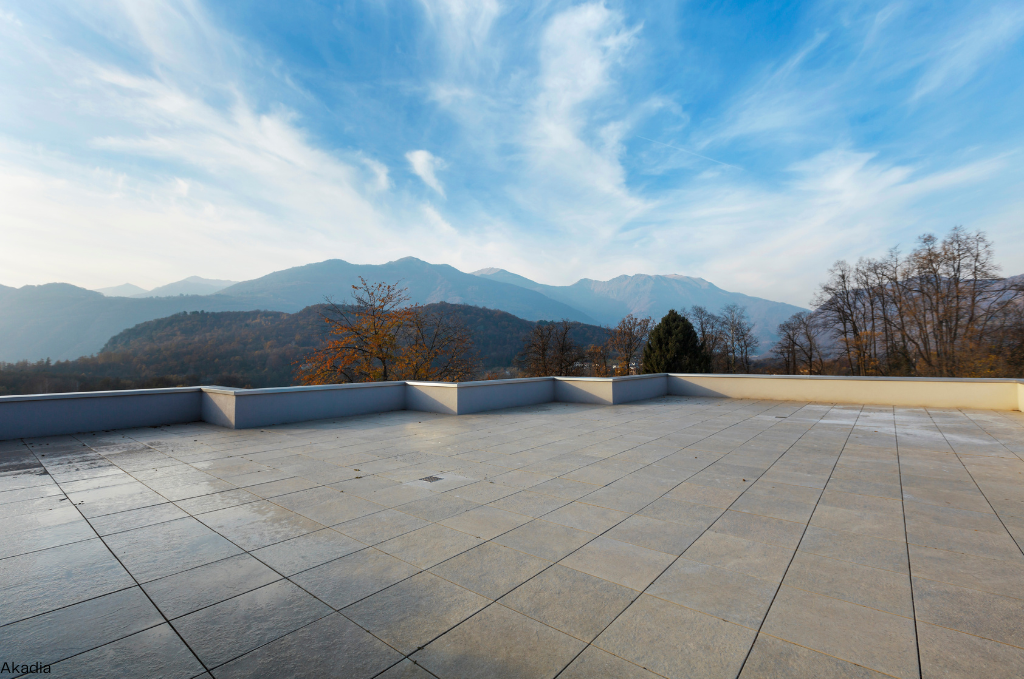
point(673, 347)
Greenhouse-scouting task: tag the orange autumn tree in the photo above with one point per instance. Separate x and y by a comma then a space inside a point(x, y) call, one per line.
point(381, 337)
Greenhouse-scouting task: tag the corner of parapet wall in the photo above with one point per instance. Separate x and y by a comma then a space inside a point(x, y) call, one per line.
point(1020, 396)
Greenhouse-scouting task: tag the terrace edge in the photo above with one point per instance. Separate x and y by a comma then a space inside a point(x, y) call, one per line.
point(38, 415)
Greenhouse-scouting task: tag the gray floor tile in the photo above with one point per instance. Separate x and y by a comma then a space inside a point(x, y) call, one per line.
point(38, 582)
point(485, 522)
point(594, 663)
point(619, 562)
point(872, 587)
point(952, 654)
point(35, 539)
point(674, 641)
point(661, 536)
point(155, 652)
point(550, 541)
point(222, 500)
point(190, 590)
point(411, 613)
point(137, 518)
point(344, 581)
point(65, 632)
point(586, 517)
point(490, 570)
point(864, 636)
point(330, 647)
point(428, 546)
point(384, 525)
point(167, 548)
point(529, 503)
point(406, 669)
point(113, 499)
point(437, 507)
point(862, 549)
point(732, 596)
point(258, 524)
point(516, 647)
point(771, 658)
point(968, 610)
point(306, 551)
point(573, 602)
point(234, 627)
point(759, 559)
point(759, 528)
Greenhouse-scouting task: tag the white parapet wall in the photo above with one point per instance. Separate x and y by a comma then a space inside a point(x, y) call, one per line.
point(52, 414)
point(55, 414)
point(913, 392)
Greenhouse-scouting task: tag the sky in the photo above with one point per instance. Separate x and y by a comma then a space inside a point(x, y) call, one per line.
point(749, 143)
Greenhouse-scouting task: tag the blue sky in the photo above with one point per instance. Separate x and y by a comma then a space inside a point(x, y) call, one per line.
point(752, 144)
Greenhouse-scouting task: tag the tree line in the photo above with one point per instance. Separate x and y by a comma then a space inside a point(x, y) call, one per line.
point(380, 336)
point(694, 341)
point(940, 310)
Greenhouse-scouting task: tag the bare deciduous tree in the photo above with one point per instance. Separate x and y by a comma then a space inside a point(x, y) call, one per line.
point(627, 342)
point(740, 342)
point(942, 310)
point(710, 329)
point(597, 358)
point(799, 345)
point(549, 349)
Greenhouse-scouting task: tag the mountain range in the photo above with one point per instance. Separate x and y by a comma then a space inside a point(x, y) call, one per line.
point(62, 321)
point(193, 285)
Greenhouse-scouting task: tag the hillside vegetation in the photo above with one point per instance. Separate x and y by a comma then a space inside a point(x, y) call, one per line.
point(240, 349)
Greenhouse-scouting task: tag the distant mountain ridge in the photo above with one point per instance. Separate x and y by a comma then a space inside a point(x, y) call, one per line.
point(123, 290)
point(298, 287)
point(653, 295)
point(62, 321)
point(193, 285)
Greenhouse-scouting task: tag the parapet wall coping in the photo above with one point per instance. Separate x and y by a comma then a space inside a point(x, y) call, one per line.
point(238, 391)
point(102, 394)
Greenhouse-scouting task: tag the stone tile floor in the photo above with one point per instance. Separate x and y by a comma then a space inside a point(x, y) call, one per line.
point(675, 538)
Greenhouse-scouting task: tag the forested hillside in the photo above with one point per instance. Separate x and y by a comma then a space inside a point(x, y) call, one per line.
point(239, 349)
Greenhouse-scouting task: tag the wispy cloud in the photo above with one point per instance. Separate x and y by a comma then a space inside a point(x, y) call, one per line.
point(961, 53)
point(425, 166)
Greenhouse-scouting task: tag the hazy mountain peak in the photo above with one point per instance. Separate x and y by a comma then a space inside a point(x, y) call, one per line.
point(193, 285)
point(124, 290)
point(681, 277)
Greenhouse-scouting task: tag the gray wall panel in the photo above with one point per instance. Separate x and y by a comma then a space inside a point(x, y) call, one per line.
point(583, 390)
point(639, 388)
point(265, 407)
point(478, 397)
point(56, 414)
point(432, 398)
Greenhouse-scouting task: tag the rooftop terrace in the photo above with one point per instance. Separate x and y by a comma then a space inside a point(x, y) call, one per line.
point(674, 537)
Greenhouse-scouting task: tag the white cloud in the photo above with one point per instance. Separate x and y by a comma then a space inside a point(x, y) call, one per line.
point(425, 165)
point(573, 176)
point(962, 53)
point(462, 28)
